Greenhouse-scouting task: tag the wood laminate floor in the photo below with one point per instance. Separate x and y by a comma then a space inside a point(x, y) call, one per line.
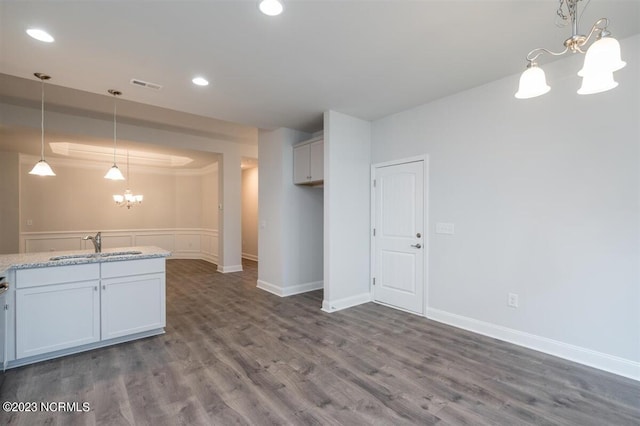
point(234, 354)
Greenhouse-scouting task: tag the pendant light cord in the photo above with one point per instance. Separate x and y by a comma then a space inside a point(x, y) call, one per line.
point(114, 128)
point(128, 175)
point(42, 122)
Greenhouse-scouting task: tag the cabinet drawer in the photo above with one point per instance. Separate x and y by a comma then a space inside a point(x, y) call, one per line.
point(56, 275)
point(132, 267)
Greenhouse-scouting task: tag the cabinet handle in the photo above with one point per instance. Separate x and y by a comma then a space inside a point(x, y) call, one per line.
point(95, 288)
point(104, 287)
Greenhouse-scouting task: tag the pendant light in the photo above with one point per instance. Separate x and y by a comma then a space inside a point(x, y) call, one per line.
point(42, 168)
point(114, 172)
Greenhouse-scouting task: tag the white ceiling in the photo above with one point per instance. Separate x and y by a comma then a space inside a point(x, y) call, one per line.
point(363, 58)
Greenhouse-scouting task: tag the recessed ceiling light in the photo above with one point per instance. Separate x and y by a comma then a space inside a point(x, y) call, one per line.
point(200, 81)
point(271, 7)
point(41, 35)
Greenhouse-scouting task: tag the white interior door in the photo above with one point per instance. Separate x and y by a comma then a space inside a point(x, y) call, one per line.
point(399, 241)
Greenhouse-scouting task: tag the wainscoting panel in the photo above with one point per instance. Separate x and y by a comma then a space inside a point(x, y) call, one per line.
point(71, 242)
point(188, 243)
point(166, 241)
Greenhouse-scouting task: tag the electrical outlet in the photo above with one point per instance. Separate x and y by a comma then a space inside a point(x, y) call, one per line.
point(512, 300)
point(29, 222)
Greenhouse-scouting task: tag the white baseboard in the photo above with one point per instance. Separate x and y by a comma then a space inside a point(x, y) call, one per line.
point(230, 268)
point(249, 256)
point(602, 361)
point(291, 290)
point(347, 302)
point(211, 258)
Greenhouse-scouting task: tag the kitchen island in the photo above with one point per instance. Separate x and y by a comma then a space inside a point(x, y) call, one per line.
point(61, 303)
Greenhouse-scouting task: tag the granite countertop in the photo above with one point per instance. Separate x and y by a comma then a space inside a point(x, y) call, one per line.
point(77, 257)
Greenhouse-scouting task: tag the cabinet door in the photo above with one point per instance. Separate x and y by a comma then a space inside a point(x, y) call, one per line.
point(132, 305)
point(316, 161)
point(55, 317)
point(301, 173)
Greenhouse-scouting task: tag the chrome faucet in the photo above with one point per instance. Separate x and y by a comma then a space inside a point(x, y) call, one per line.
point(97, 241)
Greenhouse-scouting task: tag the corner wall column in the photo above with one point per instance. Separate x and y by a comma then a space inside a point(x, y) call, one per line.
point(230, 213)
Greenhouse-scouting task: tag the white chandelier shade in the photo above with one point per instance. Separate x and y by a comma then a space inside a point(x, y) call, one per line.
point(602, 56)
point(533, 82)
point(597, 82)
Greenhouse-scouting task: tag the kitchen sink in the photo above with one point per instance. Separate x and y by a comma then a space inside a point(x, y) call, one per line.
point(95, 255)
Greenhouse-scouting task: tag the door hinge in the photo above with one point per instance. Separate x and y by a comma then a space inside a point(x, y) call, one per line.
point(374, 183)
point(374, 281)
point(374, 232)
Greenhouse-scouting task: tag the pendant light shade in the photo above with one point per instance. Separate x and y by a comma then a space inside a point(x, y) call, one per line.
point(602, 56)
point(42, 168)
point(114, 172)
point(533, 82)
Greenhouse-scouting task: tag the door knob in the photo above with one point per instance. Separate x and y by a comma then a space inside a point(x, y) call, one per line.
point(416, 245)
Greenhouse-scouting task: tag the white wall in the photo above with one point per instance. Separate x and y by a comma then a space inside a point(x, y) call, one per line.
point(9, 215)
point(290, 219)
point(544, 194)
point(347, 164)
point(231, 152)
point(56, 212)
point(250, 213)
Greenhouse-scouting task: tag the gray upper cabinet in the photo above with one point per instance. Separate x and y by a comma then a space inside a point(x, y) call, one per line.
point(308, 162)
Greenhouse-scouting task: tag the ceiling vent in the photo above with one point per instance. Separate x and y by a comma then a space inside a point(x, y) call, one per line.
point(142, 83)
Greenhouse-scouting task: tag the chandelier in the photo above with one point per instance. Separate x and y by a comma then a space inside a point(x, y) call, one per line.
point(602, 57)
point(127, 199)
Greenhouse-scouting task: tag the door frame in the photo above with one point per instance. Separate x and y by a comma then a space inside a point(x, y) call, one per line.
point(427, 240)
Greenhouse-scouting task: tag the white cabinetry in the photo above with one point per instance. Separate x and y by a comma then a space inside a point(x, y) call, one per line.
point(133, 303)
point(64, 307)
point(308, 162)
point(52, 316)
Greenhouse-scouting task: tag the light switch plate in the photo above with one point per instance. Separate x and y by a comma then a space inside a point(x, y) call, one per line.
point(444, 228)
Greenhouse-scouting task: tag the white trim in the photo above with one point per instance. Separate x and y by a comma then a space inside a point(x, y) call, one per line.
point(228, 269)
point(291, 290)
point(589, 357)
point(100, 344)
point(250, 256)
point(347, 302)
point(271, 288)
